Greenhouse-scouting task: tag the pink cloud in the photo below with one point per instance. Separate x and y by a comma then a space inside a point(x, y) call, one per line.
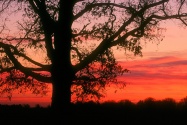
point(158, 77)
point(157, 68)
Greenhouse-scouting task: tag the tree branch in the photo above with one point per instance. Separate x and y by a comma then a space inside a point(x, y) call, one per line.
point(107, 43)
point(91, 6)
point(78, 53)
point(16, 52)
point(23, 69)
point(35, 8)
point(47, 22)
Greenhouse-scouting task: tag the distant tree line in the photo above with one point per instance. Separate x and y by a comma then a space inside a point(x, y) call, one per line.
point(148, 111)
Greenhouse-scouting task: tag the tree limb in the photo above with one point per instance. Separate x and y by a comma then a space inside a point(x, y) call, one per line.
point(109, 42)
point(23, 69)
point(16, 52)
point(47, 22)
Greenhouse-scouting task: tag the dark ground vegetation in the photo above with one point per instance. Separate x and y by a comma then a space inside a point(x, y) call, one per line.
point(146, 112)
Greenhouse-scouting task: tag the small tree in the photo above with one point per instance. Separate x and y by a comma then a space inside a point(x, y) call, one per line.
point(76, 40)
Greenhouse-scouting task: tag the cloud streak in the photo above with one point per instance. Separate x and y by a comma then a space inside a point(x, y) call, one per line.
point(167, 67)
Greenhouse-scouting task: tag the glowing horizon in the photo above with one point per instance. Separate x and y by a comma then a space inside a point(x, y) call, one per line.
point(156, 77)
point(160, 73)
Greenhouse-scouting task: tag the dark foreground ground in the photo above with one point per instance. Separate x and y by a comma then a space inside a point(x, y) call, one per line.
point(147, 112)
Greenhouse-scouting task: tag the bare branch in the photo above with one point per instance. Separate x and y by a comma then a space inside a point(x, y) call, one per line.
point(23, 69)
point(109, 42)
point(5, 5)
point(48, 24)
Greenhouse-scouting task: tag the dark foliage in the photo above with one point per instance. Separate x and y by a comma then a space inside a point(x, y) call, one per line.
point(146, 112)
point(78, 36)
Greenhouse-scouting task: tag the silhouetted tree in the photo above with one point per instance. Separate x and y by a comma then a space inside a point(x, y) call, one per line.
point(78, 38)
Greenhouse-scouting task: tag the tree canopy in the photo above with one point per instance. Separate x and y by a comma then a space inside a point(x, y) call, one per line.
point(95, 27)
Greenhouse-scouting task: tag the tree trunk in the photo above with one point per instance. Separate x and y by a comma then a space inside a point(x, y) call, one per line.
point(61, 92)
point(62, 75)
point(61, 98)
point(62, 71)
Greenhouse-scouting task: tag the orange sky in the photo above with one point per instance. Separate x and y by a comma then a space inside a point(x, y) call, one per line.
point(160, 73)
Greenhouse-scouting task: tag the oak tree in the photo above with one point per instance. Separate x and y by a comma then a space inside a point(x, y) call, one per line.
point(75, 41)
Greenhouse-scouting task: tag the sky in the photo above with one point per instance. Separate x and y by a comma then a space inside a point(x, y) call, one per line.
point(160, 73)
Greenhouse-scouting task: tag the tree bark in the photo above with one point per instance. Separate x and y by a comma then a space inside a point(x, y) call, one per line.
point(61, 92)
point(62, 75)
point(61, 96)
point(62, 71)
